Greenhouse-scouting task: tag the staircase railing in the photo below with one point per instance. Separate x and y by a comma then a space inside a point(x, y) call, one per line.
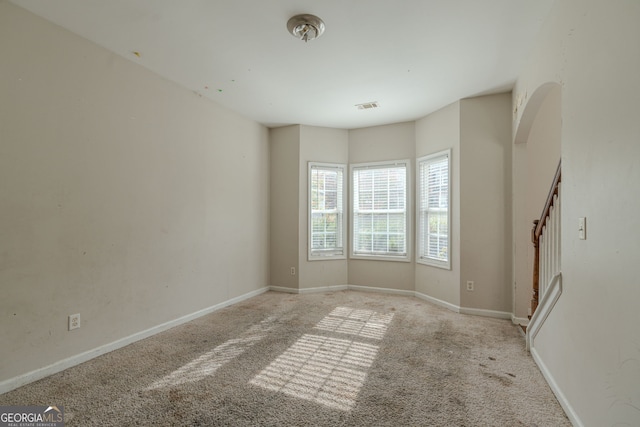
point(546, 242)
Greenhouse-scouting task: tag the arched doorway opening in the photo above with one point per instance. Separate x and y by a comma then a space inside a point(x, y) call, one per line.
point(536, 153)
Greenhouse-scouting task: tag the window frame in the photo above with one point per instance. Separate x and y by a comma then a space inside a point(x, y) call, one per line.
point(420, 251)
point(327, 255)
point(406, 257)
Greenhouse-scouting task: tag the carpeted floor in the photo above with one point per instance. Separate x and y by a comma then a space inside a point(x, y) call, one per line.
point(328, 359)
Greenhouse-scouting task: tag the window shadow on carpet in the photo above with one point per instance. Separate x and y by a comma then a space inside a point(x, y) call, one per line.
point(210, 362)
point(329, 370)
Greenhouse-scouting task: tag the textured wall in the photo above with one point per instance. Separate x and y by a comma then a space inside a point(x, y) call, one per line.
point(485, 202)
point(590, 345)
point(325, 145)
point(436, 132)
point(284, 146)
point(124, 197)
point(374, 144)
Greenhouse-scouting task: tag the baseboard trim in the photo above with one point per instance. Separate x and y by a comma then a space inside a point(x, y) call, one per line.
point(522, 321)
point(13, 383)
point(462, 310)
point(568, 409)
point(485, 313)
point(547, 302)
point(437, 301)
point(284, 289)
point(29, 377)
point(382, 290)
point(318, 289)
point(335, 288)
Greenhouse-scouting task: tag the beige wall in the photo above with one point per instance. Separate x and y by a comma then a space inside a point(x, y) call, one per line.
point(478, 131)
point(379, 143)
point(133, 201)
point(485, 202)
point(590, 346)
point(484, 247)
point(543, 151)
point(284, 152)
point(436, 132)
point(124, 197)
point(291, 149)
point(325, 145)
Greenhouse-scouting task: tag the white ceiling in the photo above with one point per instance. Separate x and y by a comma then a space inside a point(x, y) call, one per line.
point(412, 56)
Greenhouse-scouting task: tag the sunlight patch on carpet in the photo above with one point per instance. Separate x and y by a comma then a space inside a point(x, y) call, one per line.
point(211, 361)
point(324, 370)
point(363, 323)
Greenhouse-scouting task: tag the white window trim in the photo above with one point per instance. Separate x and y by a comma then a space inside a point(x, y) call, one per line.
point(311, 256)
point(408, 217)
point(425, 260)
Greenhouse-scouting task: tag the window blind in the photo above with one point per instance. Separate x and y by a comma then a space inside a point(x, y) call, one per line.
point(326, 228)
point(380, 210)
point(433, 209)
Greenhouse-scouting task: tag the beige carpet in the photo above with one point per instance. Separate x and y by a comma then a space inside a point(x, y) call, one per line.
point(330, 359)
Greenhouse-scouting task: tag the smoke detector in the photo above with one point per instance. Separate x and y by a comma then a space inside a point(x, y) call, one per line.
point(305, 27)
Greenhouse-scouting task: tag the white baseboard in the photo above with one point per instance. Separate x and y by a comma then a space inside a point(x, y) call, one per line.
point(546, 304)
point(323, 289)
point(437, 301)
point(61, 365)
point(485, 313)
point(284, 289)
point(13, 383)
point(382, 290)
point(334, 288)
point(308, 290)
point(522, 321)
point(568, 409)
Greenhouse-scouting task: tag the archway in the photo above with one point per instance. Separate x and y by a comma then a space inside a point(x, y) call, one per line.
point(536, 153)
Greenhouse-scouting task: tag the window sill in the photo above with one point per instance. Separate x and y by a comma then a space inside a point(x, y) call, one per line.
point(326, 258)
point(436, 264)
point(380, 258)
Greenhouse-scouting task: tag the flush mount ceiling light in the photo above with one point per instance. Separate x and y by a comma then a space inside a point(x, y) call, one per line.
point(305, 27)
point(367, 105)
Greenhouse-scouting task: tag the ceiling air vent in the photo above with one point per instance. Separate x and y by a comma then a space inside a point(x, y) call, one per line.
point(368, 105)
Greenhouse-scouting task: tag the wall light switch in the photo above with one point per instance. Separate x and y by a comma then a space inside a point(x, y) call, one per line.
point(582, 228)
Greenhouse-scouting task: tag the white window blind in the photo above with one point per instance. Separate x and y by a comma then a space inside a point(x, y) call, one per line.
point(326, 213)
point(380, 210)
point(433, 209)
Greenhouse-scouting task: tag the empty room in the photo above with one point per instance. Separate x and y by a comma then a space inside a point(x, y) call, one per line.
point(287, 212)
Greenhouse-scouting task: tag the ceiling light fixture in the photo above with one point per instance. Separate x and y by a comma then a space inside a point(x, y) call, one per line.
point(367, 105)
point(305, 27)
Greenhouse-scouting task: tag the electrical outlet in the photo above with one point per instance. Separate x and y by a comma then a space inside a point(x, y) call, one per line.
point(293, 271)
point(469, 285)
point(74, 321)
